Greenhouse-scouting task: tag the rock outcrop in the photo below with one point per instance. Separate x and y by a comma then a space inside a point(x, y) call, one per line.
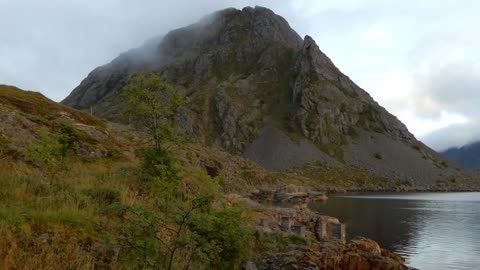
point(258, 89)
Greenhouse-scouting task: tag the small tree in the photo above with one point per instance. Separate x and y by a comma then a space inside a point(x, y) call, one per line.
point(151, 103)
point(66, 140)
point(45, 152)
point(50, 151)
point(4, 144)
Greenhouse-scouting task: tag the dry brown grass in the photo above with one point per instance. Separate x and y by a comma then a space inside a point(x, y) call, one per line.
point(62, 252)
point(326, 178)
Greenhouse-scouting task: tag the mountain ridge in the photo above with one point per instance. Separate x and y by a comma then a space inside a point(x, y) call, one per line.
point(467, 155)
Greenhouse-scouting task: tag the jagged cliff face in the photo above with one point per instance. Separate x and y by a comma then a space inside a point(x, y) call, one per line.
point(329, 101)
point(251, 78)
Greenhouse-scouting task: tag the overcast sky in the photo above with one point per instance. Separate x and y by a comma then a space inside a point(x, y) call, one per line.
point(420, 59)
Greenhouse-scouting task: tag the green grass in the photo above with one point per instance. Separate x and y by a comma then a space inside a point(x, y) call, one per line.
point(278, 242)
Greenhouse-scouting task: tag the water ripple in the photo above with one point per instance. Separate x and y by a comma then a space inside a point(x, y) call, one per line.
point(431, 230)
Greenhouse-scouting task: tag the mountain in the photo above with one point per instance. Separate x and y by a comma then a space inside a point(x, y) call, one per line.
point(467, 156)
point(259, 90)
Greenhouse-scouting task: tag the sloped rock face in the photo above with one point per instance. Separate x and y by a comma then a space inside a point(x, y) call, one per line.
point(247, 73)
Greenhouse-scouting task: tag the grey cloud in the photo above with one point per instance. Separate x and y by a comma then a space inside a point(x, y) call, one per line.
point(454, 88)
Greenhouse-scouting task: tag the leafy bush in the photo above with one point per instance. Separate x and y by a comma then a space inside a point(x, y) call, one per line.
point(222, 233)
point(158, 163)
point(45, 153)
point(66, 140)
point(416, 147)
point(4, 142)
point(50, 151)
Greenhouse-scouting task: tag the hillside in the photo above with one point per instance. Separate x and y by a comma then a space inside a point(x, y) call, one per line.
point(27, 117)
point(467, 156)
point(259, 90)
point(100, 204)
point(74, 209)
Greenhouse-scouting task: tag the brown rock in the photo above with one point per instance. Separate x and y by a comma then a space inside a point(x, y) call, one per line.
point(360, 254)
point(362, 244)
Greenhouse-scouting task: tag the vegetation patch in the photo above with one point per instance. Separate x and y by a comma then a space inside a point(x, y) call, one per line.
point(369, 119)
point(323, 177)
point(40, 107)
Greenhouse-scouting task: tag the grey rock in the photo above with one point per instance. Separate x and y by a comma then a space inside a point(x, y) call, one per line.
point(45, 238)
point(249, 266)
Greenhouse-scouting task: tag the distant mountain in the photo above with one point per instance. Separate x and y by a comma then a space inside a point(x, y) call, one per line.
point(259, 90)
point(467, 156)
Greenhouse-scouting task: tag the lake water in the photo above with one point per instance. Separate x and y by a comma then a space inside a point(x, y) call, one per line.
point(431, 230)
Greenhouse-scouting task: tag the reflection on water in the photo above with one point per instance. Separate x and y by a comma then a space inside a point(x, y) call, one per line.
point(432, 230)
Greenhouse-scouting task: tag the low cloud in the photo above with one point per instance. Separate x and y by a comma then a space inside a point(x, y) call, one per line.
point(453, 88)
point(453, 136)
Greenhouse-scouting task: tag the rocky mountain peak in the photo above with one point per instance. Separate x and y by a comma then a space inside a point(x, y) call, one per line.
point(231, 26)
point(253, 81)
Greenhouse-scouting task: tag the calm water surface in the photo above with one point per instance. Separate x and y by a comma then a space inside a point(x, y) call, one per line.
point(431, 230)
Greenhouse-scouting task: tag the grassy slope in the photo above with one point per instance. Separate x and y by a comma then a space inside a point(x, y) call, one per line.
point(38, 106)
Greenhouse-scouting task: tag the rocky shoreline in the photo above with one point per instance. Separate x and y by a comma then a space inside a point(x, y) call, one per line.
point(326, 245)
point(395, 190)
point(359, 254)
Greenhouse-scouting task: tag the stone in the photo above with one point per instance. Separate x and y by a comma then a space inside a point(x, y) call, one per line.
point(329, 255)
point(45, 238)
point(320, 230)
point(338, 232)
point(108, 254)
point(298, 230)
point(365, 245)
point(249, 266)
point(298, 194)
point(286, 223)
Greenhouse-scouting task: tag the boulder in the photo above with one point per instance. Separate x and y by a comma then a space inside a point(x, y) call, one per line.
point(362, 244)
